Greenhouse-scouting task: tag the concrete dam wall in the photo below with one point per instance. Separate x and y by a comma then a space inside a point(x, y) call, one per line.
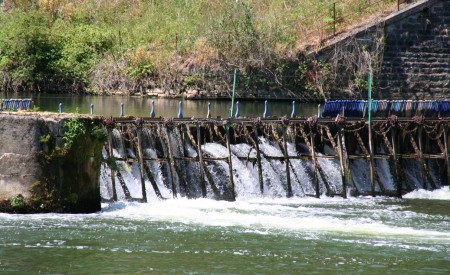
point(39, 172)
point(57, 163)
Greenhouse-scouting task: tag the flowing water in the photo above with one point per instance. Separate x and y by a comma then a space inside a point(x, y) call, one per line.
point(269, 236)
point(266, 234)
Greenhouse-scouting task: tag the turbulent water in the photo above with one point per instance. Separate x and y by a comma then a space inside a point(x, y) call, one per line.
point(258, 233)
point(299, 235)
point(172, 181)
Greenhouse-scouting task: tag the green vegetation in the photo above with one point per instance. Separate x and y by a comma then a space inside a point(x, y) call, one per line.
point(45, 197)
point(45, 139)
point(68, 166)
point(17, 201)
point(103, 45)
point(75, 129)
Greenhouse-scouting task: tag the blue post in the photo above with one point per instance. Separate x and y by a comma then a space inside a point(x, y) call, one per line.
point(237, 110)
point(208, 115)
point(180, 110)
point(92, 109)
point(121, 109)
point(152, 112)
point(60, 107)
point(318, 111)
point(266, 109)
point(293, 109)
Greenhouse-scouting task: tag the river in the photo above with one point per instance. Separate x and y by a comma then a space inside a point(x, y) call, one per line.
point(255, 234)
point(141, 106)
point(266, 236)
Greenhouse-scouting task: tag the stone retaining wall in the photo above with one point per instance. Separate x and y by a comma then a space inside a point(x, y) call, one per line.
point(417, 53)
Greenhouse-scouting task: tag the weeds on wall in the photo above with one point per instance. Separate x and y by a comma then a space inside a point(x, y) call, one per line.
point(346, 67)
point(64, 165)
point(75, 129)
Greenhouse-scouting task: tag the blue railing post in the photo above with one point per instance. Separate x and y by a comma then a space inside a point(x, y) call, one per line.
point(208, 115)
point(92, 109)
point(60, 108)
point(266, 109)
point(237, 110)
point(293, 109)
point(180, 110)
point(232, 96)
point(152, 112)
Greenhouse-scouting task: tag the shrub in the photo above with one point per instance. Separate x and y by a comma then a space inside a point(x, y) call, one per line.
point(99, 134)
point(80, 47)
point(142, 44)
point(75, 128)
point(25, 48)
point(17, 201)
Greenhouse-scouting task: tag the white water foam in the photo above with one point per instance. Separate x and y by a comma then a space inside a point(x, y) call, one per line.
point(439, 194)
point(278, 216)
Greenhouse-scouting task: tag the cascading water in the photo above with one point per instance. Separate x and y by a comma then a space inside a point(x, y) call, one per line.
point(186, 175)
point(273, 159)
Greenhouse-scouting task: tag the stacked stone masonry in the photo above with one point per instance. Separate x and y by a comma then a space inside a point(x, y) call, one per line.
point(416, 61)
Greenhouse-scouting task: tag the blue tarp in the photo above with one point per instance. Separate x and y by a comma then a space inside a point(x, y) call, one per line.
point(384, 108)
point(15, 104)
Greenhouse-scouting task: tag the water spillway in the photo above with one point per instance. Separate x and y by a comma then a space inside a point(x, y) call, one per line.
point(150, 158)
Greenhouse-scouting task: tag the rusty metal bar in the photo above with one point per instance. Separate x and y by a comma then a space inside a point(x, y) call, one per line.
point(141, 163)
point(110, 159)
point(225, 128)
point(200, 158)
point(230, 165)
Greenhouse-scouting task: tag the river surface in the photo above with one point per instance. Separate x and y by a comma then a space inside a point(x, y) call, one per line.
point(141, 106)
point(254, 235)
point(267, 236)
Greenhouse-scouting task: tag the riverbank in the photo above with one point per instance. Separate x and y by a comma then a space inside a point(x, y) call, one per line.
point(143, 49)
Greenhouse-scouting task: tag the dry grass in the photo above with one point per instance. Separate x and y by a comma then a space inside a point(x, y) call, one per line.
point(154, 42)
